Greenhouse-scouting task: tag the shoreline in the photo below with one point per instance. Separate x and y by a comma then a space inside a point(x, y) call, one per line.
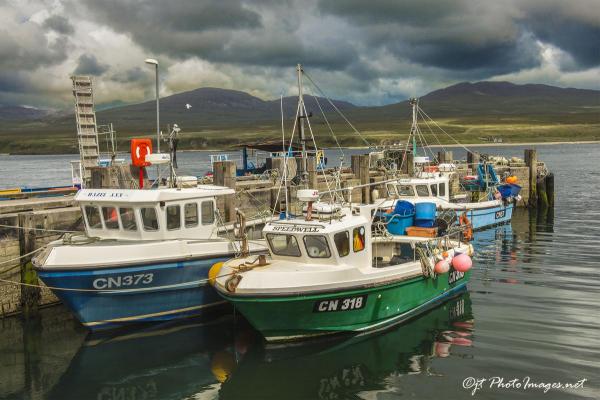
point(466, 145)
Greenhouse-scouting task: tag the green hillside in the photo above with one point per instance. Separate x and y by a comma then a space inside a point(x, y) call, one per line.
point(220, 118)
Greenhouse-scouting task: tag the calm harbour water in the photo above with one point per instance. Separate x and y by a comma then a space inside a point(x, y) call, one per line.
point(531, 310)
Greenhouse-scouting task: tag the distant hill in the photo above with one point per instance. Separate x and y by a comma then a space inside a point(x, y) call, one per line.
point(223, 117)
point(508, 98)
point(20, 113)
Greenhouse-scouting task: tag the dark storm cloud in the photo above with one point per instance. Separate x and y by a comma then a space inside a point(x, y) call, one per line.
point(89, 65)
point(59, 24)
point(578, 38)
point(458, 35)
point(27, 48)
point(230, 32)
point(135, 74)
point(180, 27)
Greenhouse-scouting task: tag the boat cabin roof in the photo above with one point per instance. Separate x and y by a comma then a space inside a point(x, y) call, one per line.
point(423, 181)
point(155, 214)
point(151, 195)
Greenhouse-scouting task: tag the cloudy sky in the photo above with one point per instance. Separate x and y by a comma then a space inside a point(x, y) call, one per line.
point(365, 51)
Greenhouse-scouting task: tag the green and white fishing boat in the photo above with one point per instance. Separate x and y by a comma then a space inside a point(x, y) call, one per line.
point(326, 273)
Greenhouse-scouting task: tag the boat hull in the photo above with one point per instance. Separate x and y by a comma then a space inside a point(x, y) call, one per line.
point(112, 297)
point(295, 317)
point(482, 218)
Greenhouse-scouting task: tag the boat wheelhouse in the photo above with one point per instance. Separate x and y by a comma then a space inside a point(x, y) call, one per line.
point(329, 275)
point(436, 189)
point(145, 255)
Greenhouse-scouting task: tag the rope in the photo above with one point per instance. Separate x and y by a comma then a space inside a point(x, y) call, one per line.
point(447, 134)
point(65, 289)
point(336, 109)
point(37, 229)
point(23, 256)
point(330, 130)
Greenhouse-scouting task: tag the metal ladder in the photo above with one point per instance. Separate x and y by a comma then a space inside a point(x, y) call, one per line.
point(87, 133)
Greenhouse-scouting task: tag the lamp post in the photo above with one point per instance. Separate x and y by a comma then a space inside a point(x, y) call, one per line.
point(152, 61)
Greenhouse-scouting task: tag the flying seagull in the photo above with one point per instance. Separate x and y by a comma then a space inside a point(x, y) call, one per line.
point(188, 106)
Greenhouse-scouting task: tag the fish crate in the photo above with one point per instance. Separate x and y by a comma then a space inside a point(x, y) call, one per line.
point(422, 232)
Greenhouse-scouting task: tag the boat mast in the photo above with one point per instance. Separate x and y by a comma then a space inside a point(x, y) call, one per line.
point(301, 117)
point(413, 129)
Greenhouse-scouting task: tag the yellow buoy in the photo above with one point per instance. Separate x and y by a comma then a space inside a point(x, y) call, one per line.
point(213, 272)
point(222, 365)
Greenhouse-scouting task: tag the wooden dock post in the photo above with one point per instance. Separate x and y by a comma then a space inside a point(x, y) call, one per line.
point(531, 161)
point(365, 178)
point(410, 165)
point(311, 166)
point(224, 174)
point(542, 197)
point(445, 157)
point(550, 189)
point(30, 296)
point(472, 161)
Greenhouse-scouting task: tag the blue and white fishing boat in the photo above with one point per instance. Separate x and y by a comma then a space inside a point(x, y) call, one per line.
point(145, 255)
point(431, 184)
point(434, 189)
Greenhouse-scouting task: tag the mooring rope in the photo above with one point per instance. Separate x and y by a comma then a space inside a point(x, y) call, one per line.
point(37, 229)
point(65, 289)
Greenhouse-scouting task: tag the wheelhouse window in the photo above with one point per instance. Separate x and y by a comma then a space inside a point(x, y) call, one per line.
point(442, 189)
point(317, 247)
point(422, 191)
point(111, 219)
point(358, 239)
point(391, 190)
point(406, 190)
point(208, 212)
point(283, 245)
point(93, 217)
point(149, 219)
point(128, 219)
point(434, 191)
point(190, 212)
point(173, 217)
point(342, 243)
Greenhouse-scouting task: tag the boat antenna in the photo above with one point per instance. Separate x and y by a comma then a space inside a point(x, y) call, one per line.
point(301, 118)
point(173, 140)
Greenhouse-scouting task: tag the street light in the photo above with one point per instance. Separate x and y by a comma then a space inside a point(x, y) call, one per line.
point(155, 63)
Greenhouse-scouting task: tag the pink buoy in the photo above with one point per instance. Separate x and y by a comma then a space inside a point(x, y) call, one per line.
point(462, 263)
point(442, 266)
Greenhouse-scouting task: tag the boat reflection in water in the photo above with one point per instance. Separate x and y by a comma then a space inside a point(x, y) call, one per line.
point(228, 359)
point(168, 361)
point(331, 369)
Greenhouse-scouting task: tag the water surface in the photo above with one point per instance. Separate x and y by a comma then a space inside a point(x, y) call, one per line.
point(531, 310)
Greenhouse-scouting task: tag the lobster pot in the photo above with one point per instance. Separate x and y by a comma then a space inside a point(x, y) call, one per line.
point(425, 215)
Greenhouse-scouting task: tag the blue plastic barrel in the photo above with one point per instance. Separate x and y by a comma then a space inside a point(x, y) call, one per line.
point(509, 189)
point(425, 215)
point(401, 218)
point(404, 208)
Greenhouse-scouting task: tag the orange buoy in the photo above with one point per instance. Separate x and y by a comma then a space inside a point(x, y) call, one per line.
point(467, 227)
